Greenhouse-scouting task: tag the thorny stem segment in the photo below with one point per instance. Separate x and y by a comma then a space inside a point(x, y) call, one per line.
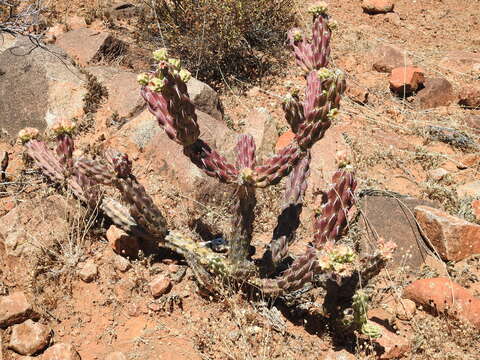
point(241, 236)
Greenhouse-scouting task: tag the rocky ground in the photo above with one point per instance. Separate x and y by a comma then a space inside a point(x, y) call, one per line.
point(70, 287)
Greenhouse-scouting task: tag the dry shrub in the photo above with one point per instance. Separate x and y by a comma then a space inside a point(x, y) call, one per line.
point(219, 38)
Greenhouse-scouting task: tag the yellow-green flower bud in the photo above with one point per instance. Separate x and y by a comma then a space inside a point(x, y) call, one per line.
point(185, 75)
point(176, 63)
point(160, 54)
point(332, 114)
point(324, 74)
point(332, 25)
point(27, 134)
point(156, 84)
point(318, 9)
point(143, 79)
point(64, 127)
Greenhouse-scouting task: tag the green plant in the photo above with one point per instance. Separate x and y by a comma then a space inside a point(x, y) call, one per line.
point(220, 38)
point(165, 92)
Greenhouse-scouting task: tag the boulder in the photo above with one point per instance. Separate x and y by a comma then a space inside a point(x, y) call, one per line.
point(392, 219)
point(124, 97)
point(15, 309)
point(61, 351)
point(436, 92)
point(88, 46)
point(406, 79)
point(392, 346)
point(38, 87)
point(205, 98)
point(29, 337)
point(461, 61)
point(443, 295)
point(261, 125)
point(357, 94)
point(377, 6)
point(388, 57)
point(437, 174)
point(284, 140)
point(473, 123)
point(454, 238)
point(469, 97)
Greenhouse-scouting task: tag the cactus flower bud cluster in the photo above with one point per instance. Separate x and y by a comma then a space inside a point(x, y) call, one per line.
point(27, 134)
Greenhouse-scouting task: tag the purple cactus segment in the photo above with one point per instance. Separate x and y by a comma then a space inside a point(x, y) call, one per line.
point(300, 272)
point(211, 162)
point(158, 106)
point(122, 165)
point(297, 182)
point(96, 171)
point(294, 111)
point(65, 150)
point(45, 159)
point(332, 220)
point(275, 168)
point(245, 150)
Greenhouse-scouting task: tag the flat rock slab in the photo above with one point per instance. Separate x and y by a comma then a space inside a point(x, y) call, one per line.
point(393, 220)
point(37, 87)
point(15, 309)
point(88, 46)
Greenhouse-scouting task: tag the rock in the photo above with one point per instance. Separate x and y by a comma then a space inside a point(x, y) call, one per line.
point(116, 356)
point(406, 79)
point(454, 238)
point(461, 61)
point(38, 87)
point(121, 242)
point(377, 6)
point(404, 309)
point(88, 272)
point(49, 219)
point(358, 94)
point(392, 219)
point(124, 97)
point(205, 98)
point(338, 355)
point(476, 209)
point(29, 338)
point(284, 140)
point(437, 265)
point(436, 92)
point(471, 189)
point(437, 174)
point(88, 46)
point(473, 122)
point(393, 18)
point(7, 42)
point(15, 309)
point(61, 351)
point(388, 57)
point(469, 97)
point(443, 295)
point(261, 125)
point(121, 264)
point(392, 346)
point(160, 286)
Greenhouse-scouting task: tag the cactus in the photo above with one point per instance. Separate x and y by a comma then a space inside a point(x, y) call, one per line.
point(165, 93)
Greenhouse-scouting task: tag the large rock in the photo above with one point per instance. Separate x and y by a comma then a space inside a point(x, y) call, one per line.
point(406, 79)
point(261, 125)
point(436, 92)
point(461, 61)
point(89, 46)
point(392, 219)
point(388, 57)
point(29, 337)
point(205, 98)
point(61, 351)
point(443, 295)
point(15, 309)
point(38, 87)
point(124, 97)
point(454, 238)
point(469, 97)
point(392, 346)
